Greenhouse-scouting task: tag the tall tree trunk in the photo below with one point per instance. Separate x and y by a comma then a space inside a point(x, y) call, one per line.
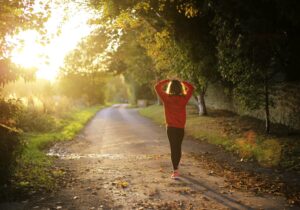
point(158, 102)
point(267, 107)
point(201, 102)
point(132, 97)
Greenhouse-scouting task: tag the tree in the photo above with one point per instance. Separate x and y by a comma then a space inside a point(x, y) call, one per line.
point(11, 72)
point(87, 87)
point(132, 61)
point(192, 33)
point(252, 50)
point(164, 30)
point(16, 15)
point(189, 53)
point(83, 74)
point(250, 45)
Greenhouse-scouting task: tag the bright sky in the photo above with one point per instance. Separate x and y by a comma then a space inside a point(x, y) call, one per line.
point(71, 18)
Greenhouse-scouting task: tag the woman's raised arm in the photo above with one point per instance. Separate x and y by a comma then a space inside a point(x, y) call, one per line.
point(190, 89)
point(159, 88)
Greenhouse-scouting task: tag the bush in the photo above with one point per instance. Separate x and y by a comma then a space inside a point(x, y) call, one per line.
point(9, 110)
point(35, 121)
point(10, 148)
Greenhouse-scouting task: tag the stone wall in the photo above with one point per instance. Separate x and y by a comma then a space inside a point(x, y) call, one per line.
point(286, 110)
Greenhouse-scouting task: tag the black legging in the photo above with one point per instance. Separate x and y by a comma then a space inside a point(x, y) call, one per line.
point(175, 136)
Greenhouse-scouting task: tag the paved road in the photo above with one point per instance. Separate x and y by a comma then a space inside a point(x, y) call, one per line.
point(121, 161)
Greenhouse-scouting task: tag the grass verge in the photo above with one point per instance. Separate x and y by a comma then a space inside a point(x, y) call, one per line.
point(241, 135)
point(35, 169)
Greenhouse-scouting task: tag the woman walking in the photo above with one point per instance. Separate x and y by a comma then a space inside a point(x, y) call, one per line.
point(175, 99)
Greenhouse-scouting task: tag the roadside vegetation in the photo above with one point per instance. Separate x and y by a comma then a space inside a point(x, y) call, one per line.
point(32, 169)
point(244, 136)
point(130, 46)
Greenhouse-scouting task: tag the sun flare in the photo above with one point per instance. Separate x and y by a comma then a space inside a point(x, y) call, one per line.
point(65, 28)
point(27, 54)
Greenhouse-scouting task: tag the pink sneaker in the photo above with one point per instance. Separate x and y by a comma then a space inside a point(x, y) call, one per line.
point(175, 175)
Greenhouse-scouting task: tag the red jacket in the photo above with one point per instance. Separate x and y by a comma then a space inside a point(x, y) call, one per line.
point(175, 113)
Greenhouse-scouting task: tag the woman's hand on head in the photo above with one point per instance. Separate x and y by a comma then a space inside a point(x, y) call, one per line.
point(172, 76)
point(176, 78)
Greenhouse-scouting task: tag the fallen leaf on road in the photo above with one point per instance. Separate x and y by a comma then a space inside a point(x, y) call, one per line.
point(124, 184)
point(205, 198)
point(120, 183)
point(211, 173)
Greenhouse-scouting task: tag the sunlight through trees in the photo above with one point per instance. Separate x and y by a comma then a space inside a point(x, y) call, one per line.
point(59, 56)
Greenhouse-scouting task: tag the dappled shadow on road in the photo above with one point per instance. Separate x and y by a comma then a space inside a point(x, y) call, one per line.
point(213, 194)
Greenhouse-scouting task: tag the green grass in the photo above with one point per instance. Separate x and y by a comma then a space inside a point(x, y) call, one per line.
point(154, 112)
point(34, 168)
point(236, 134)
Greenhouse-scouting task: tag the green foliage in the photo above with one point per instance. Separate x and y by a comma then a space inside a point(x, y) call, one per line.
point(248, 46)
point(10, 148)
point(194, 45)
point(116, 90)
point(34, 167)
point(89, 87)
point(154, 112)
point(9, 110)
point(131, 60)
point(22, 155)
point(16, 15)
point(9, 72)
point(6, 71)
point(158, 42)
point(33, 120)
point(268, 152)
point(253, 47)
point(89, 55)
point(83, 75)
